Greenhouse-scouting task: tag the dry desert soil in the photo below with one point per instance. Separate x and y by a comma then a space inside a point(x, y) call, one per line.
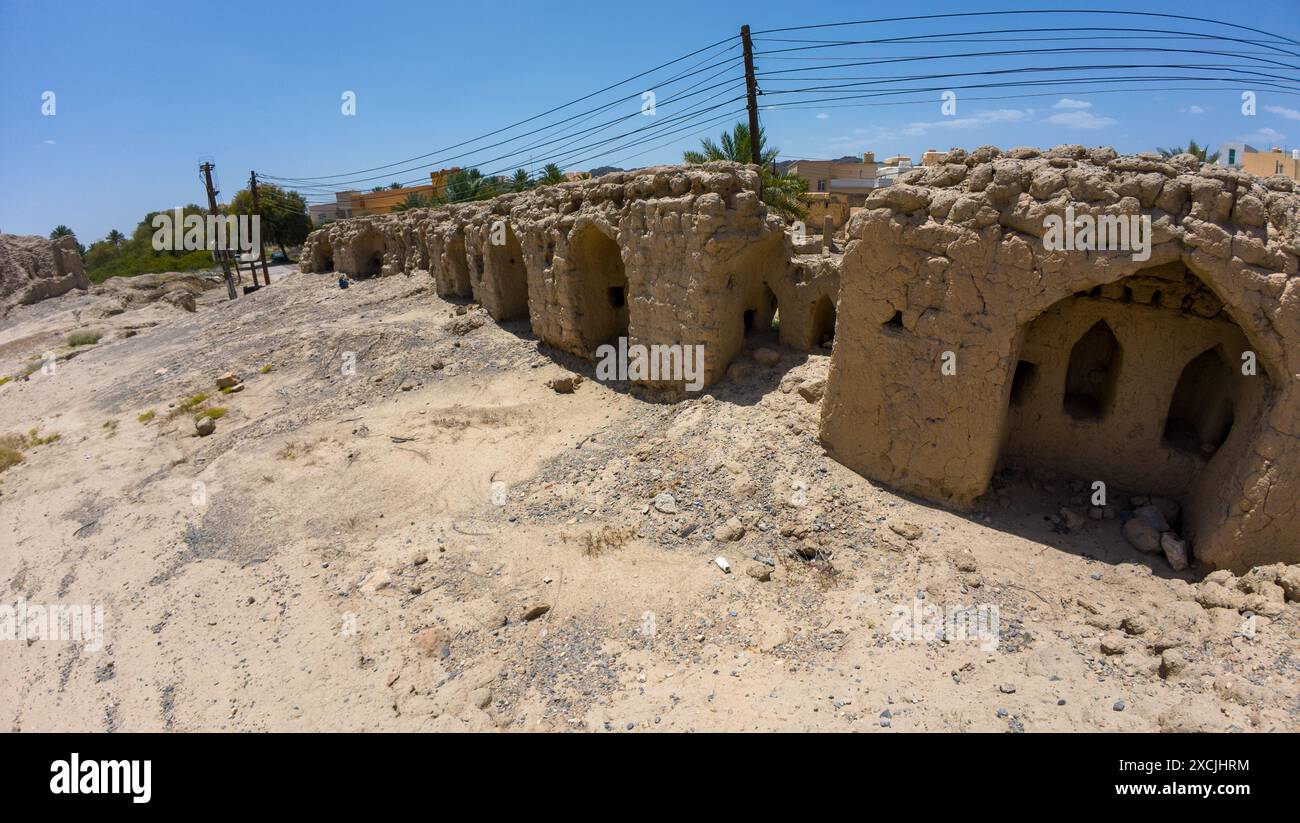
point(438, 540)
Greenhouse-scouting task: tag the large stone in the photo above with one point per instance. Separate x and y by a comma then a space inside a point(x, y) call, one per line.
point(1141, 535)
point(1175, 549)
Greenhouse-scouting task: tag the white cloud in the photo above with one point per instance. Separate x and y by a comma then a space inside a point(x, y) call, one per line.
point(1264, 135)
point(1194, 110)
point(1081, 120)
point(1280, 111)
point(821, 115)
point(48, 142)
point(1071, 103)
point(977, 120)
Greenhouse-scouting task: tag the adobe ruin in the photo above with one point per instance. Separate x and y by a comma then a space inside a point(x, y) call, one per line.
point(591, 261)
point(34, 268)
point(1090, 364)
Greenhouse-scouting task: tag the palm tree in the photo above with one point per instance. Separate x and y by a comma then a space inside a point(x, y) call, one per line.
point(466, 184)
point(115, 237)
point(521, 181)
point(1200, 151)
point(418, 201)
point(551, 175)
point(60, 231)
point(784, 193)
point(394, 186)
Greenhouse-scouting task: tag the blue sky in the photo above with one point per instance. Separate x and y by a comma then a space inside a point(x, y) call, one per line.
point(145, 91)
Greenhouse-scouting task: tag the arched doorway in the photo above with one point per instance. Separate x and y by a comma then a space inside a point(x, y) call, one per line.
point(1130, 384)
point(600, 284)
point(823, 322)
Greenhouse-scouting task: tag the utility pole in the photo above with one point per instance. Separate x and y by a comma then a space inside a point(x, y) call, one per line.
point(206, 168)
point(261, 247)
point(751, 93)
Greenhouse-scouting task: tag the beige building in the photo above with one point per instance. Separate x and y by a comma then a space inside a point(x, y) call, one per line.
point(838, 176)
point(1263, 163)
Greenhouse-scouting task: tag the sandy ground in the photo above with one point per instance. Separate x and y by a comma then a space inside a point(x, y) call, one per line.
point(439, 541)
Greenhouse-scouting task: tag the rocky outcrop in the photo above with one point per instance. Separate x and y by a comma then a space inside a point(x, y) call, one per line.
point(180, 289)
point(33, 268)
point(977, 338)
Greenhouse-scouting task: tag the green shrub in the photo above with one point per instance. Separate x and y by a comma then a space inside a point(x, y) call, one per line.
point(83, 338)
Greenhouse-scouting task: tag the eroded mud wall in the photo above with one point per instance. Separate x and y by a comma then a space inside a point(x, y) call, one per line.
point(950, 266)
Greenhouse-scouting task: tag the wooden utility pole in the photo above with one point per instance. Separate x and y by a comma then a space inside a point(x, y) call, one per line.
point(261, 247)
point(751, 94)
point(206, 168)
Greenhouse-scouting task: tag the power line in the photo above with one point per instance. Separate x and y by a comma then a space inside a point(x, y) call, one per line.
point(954, 15)
point(534, 146)
point(525, 120)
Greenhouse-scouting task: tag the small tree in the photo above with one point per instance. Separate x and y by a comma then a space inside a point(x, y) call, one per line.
point(521, 181)
point(285, 218)
point(551, 175)
point(1203, 152)
point(60, 231)
point(786, 194)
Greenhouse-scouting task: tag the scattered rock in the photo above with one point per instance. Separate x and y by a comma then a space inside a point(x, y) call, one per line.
point(1113, 644)
point(1119, 705)
point(1152, 516)
point(227, 380)
point(433, 643)
point(731, 530)
point(1135, 624)
point(464, 325)
point(205, 425)
point(1213, 595)
point(1289, 579)
point(759, 571)
point(567, 384)
point(1071, 518)
point(1141, 535)
point(1172, 662)
point(812, 390)
point(664, 502)
point(1175, 550)
point(904, 529)
point(535, 611)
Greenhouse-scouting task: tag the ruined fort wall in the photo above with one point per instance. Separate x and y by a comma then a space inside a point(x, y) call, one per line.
point(589, 261)
point(949, 266)
point(952, 260)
